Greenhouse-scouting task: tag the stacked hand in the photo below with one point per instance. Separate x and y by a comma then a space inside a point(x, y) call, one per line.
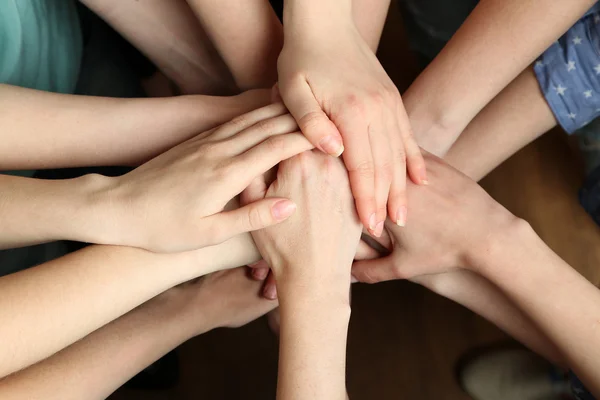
point(454, 220)
point(175, 202)
point(344, 101)
point(320, 239)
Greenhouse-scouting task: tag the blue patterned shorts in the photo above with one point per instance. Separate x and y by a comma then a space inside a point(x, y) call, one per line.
point(569, 73)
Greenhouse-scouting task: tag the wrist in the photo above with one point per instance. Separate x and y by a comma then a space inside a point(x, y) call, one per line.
point(302, 16)
point(436, 123)
point(508, 238)
point(90, 215)
point(313, 284)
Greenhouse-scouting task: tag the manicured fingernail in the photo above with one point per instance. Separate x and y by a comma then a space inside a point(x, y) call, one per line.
point(424, 182)
point(401, 217)
point(270, 292)
point(379, 229)
point(332, 145)
point(283, 209)
point(372, 223)
point(353, 279)
point(260, 273)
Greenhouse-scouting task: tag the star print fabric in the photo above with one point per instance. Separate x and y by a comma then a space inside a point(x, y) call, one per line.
point(569, 73)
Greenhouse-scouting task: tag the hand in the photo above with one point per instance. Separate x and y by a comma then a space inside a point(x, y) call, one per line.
point(260, 270)
point(175, 202)
point(339, 93)
point(452, 220)
point(224, 299)
point(321, 238)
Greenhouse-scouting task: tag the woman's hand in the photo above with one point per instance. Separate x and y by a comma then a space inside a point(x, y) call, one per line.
point(344, 101)
point(321, 238)
point(175, 201)
point(453, 218)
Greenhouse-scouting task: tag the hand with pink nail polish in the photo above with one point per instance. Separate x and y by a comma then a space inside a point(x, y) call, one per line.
point(176, 201)
point(346, 104)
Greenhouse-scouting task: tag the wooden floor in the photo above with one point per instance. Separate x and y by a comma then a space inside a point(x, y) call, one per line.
point(404, 341)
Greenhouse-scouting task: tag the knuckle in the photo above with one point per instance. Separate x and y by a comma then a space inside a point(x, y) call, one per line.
point(355, 105)
point(266, 126)
point(238, 122)
point(362, 169)
point(255, 219)
point(378, 98)
point(386, 170)
point(209, 148)
point(275, 143)
point(311, 122)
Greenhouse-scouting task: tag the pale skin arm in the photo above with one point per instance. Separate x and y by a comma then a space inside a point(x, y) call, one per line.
point(169, 35)
point(46, 308)
point(517, 116)
point(95, 366)
point(314, 330)
point(468, 73)
point(249, 36)
point(560, 301)
point(46, 130)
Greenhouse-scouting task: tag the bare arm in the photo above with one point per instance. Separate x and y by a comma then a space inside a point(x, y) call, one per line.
point(46, 308)
point(101, 362)
point(169, 35)
point(47, 130)
point(249, 36)
point(171, 203)
point(561, 302)
point(496, 43)
point(312, 273)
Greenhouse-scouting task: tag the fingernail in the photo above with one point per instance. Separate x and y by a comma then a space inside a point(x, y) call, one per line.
point(379, 229)
point(372, 223)
point(260, 273)
point(270, 292)
point(332, 145)
point(353, 279)
point(424, 182)
point(401, 217)
point(283, 209)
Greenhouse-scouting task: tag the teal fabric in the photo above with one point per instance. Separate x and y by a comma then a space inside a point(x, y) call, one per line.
point(40, 44)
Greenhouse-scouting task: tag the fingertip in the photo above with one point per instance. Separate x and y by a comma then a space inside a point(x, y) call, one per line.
point(332, 145)
point(283, 209)
point(260, 274)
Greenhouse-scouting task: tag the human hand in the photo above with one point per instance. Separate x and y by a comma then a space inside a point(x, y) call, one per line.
point(224, 299)
point(261, 271)
point(175, 201)
point(453, 220)
point(321, 238)
point(344, 101)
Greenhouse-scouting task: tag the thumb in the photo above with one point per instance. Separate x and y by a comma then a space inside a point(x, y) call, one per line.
point(275, 95)
point(375, 271)
point(313, 122)
point(252, 217)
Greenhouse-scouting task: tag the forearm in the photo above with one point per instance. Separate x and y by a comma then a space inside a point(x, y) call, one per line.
point(498, 41)
point(95, 366)
point(314, 328)
point(46, 308)
point(557, 299)
point(168, 34)
point(247, 35)
point(514, 118)
point(369, 18)
point(484, 298)
point(47, 130)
